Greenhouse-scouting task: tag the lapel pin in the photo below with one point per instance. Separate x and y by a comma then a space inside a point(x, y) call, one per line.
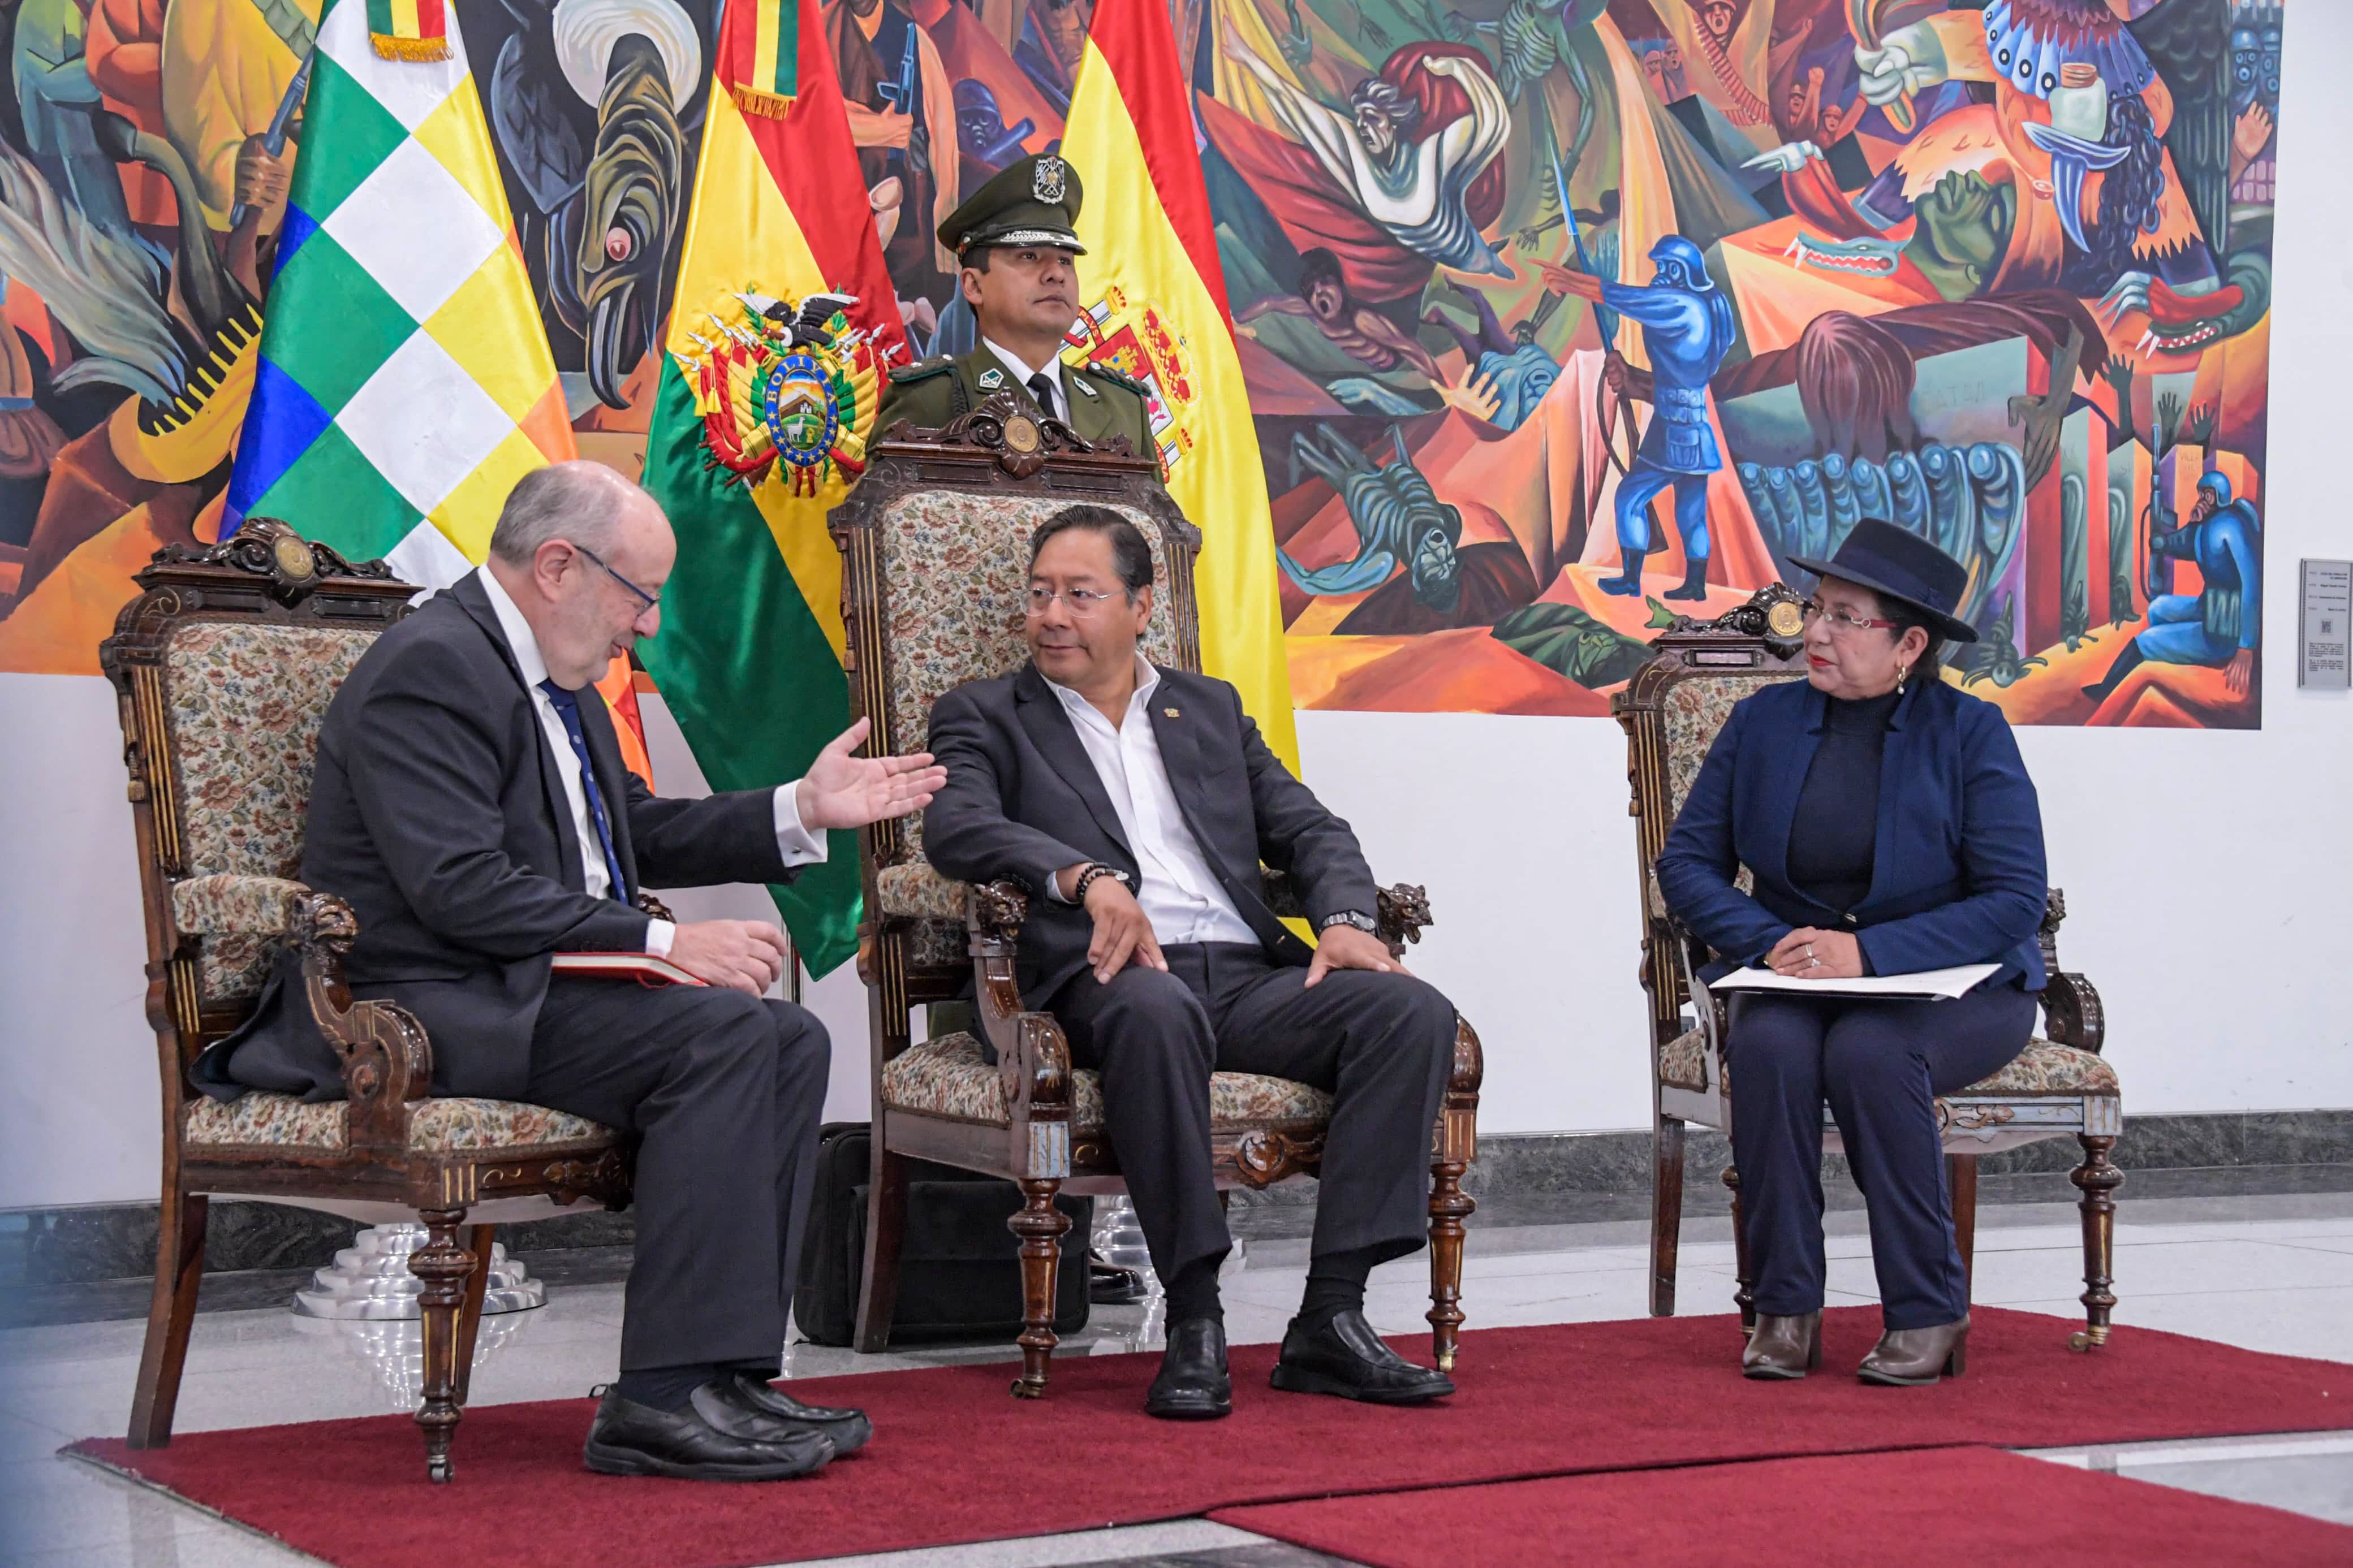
point(992, 378)
point(1170, 711)
point(1080, 382)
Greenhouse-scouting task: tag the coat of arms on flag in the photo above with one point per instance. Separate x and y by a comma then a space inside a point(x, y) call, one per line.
point(780, 382)
point(1136, 339)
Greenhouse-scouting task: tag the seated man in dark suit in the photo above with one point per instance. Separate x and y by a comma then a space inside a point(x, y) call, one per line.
point(470, 804)
point(1136, 804)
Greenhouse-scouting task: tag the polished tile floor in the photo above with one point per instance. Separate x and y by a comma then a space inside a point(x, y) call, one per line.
point(2270, 1273)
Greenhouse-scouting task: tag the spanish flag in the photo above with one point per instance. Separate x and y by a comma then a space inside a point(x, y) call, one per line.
point(1152, 298)
point(759, 424)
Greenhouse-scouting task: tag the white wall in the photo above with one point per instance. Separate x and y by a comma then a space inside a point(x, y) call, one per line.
point(2207, 874)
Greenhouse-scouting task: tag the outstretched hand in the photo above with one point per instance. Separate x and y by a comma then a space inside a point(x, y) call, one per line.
point(843, 791)
point(1787, 159)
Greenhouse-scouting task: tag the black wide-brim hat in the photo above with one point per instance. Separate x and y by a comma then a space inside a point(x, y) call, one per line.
point(1903, 569)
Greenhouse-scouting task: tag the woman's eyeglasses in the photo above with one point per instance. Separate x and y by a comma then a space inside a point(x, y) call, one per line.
point(1840, 621)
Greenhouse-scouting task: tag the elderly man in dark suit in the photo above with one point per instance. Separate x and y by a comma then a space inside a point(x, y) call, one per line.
point(1138, 801)
point(472, 805)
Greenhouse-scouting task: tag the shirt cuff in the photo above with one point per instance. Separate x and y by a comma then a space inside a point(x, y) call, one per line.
point(659, 934)
point(798, 844)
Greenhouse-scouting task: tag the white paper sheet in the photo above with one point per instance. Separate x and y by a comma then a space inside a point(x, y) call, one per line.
point(1937, 984)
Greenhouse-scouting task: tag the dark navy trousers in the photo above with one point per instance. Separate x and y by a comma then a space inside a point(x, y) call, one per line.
point(1881, 1066)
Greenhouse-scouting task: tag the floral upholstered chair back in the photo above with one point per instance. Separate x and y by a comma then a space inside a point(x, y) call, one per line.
point(953, 582)
point(1676, 705)
point(242, 703)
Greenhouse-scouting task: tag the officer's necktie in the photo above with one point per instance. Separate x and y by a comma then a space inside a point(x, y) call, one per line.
point(1042, 389)
point(567, 708)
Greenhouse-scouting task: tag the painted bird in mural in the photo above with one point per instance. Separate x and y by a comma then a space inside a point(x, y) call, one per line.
point(592, 102)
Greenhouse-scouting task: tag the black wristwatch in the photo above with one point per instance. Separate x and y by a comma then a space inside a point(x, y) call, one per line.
point(1097, 868)
point(1357, 918)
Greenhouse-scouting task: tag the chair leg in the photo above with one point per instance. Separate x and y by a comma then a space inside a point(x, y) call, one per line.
point(1745, 1295)
point(1039, 1224)
point(1666, 1211)
point(445, 1268)
point(2097, 1180)
point(1961, 1180)
point(886, 1233)
point(1449, 1206)
point(479, 1239)
point(171, 1312)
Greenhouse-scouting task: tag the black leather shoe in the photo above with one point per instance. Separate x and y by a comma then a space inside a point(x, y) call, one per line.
point(711, 1440)
point(846, 1429)
point(1192, 1384)
point(1344, 1357)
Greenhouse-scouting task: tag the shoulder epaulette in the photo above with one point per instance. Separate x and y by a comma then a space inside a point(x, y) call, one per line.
point(1117, 378)
point(922, 370)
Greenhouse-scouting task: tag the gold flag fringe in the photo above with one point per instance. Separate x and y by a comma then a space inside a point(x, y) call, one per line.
point(417, 50)
point(767, 105)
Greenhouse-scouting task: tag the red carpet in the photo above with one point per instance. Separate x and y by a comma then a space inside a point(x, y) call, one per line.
point(1924, 1507)
point(956, 1460)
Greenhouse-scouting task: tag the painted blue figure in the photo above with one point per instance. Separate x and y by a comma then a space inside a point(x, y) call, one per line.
point(2221, 625)
point(1687, 329)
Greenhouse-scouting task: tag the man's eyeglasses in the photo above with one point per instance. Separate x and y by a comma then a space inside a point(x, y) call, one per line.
point(1080, 602)
point(1840, 621)
point(649, 601)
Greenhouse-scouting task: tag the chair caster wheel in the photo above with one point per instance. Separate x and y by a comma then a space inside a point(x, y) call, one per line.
point(438, 1471)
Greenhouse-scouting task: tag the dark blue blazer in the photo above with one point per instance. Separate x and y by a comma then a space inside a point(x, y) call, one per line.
point(1957, 875)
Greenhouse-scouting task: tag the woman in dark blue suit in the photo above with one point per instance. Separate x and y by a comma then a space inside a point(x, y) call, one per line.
point(1891, 828)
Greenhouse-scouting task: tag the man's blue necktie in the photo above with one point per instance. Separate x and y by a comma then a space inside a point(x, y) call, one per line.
point(567, 708)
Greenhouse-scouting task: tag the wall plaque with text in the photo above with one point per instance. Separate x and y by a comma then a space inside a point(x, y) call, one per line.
point(2327, 607)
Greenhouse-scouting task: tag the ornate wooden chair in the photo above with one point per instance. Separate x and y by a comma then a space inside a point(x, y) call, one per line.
point(1671, 712)
point(223, 664)
point(935, 571)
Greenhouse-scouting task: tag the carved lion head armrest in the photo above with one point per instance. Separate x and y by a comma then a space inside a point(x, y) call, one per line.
point(1400, 914)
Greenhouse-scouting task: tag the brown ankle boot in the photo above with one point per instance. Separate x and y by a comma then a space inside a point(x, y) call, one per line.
point(1908, 1358)
point(1783, 1347)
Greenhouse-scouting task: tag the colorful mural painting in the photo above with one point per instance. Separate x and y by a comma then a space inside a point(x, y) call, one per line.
point(1560, 320)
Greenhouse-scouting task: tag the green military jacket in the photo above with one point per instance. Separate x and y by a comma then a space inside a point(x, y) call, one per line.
point(1104, 402)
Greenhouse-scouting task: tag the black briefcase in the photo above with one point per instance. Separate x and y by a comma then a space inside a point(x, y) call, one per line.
point(960, 1268)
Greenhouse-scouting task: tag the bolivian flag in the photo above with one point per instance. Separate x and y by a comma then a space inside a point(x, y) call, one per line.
point(750, 654)
point(1153, 298)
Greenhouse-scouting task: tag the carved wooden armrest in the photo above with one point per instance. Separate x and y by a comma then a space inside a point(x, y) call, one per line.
point(1688, 955)
point(387, 1061)
point(238, 906)
point(2071, 1014)
point(1032, 1057)
point(1400, 912)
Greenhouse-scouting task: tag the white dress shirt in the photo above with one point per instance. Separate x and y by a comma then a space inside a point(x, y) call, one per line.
point(1022, 373)
point(1178, 891)
point(800, 846)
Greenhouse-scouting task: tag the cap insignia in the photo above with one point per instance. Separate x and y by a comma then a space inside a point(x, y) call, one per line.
point(1046, 182)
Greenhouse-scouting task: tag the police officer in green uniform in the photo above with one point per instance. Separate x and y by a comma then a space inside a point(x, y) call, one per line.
point(1020, 276)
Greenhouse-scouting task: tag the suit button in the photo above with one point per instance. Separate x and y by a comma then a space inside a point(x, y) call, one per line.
point(1848, 917)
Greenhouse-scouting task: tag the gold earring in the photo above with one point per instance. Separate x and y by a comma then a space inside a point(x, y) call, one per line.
point(1903, 673)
